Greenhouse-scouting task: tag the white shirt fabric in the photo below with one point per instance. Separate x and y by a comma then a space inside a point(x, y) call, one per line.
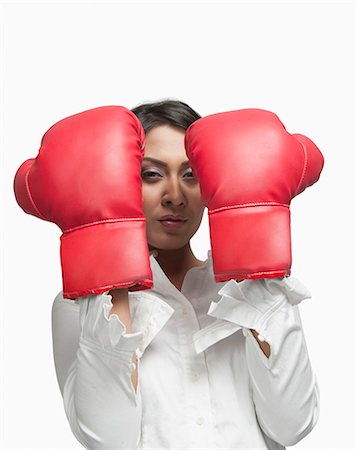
point(203, 380)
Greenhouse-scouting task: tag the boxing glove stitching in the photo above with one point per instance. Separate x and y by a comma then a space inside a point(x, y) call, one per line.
point(30, 197)
point(98, 222)
point(304, 168)
point(243, 205)
point(124, 284)
point(254, 273)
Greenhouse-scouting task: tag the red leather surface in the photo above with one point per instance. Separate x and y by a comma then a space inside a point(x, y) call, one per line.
point(86, 179)
point(249, 168)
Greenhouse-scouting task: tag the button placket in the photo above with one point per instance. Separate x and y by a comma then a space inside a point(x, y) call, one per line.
point(195, 376)
point(197, 385)
point(200, 420)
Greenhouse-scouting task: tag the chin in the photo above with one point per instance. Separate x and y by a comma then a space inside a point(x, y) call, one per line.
point(172, 242)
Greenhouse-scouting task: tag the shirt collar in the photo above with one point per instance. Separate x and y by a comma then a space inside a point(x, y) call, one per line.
point(152, 308)
point(163, 287)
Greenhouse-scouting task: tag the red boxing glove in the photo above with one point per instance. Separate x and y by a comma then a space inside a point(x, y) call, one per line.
point(87, 180)
point(249, 168)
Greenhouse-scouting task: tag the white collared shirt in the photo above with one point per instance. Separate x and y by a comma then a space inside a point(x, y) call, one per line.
point(203, 380)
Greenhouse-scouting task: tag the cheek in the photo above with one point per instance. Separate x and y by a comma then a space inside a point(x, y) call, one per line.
point(196, 201)
point(150, 199)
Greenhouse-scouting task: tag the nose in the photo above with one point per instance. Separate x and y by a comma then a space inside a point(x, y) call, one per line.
point(173, 195)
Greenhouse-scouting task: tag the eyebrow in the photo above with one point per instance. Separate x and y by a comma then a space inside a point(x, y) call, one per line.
point(162, 163)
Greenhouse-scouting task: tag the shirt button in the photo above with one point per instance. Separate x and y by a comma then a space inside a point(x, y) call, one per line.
point(200, 420)
point(195, 376)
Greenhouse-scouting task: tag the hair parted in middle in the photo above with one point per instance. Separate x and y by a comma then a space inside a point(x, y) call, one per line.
point(165, 112)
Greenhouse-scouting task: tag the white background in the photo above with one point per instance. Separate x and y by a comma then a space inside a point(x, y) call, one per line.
point(295, 59)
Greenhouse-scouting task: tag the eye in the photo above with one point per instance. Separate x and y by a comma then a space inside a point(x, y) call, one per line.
point(151, 174)
point(190, 172)
point(144, 174)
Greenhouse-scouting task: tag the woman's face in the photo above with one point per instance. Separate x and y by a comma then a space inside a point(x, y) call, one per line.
point(169, 188)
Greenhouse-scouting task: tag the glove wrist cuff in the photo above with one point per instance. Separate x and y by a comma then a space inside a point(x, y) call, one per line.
point(250, 242)
point(100, 257)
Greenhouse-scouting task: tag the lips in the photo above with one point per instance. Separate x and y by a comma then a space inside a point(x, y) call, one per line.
point(173, 222)
point(173, 218)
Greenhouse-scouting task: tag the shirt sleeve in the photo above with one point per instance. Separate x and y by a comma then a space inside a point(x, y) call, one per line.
point(283, 386)
point(93, 361)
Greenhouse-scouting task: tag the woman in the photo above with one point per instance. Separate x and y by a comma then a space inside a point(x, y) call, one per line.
point(155, 368)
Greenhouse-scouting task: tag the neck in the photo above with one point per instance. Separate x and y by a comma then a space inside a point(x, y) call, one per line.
point(176, 261)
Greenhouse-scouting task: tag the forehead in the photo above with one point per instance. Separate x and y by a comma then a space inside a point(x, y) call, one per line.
point(166, 143)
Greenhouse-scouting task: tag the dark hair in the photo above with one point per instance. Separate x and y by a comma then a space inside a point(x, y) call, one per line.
point(165, 112)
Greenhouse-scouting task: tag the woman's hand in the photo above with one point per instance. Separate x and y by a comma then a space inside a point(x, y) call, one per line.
point(121, 308)
point(264, 346)
point(120, 302)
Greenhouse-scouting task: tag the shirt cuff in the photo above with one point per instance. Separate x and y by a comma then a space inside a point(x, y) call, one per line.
point(107, 333)
point(236, 310)
point(213, 333)
point(150, 315)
